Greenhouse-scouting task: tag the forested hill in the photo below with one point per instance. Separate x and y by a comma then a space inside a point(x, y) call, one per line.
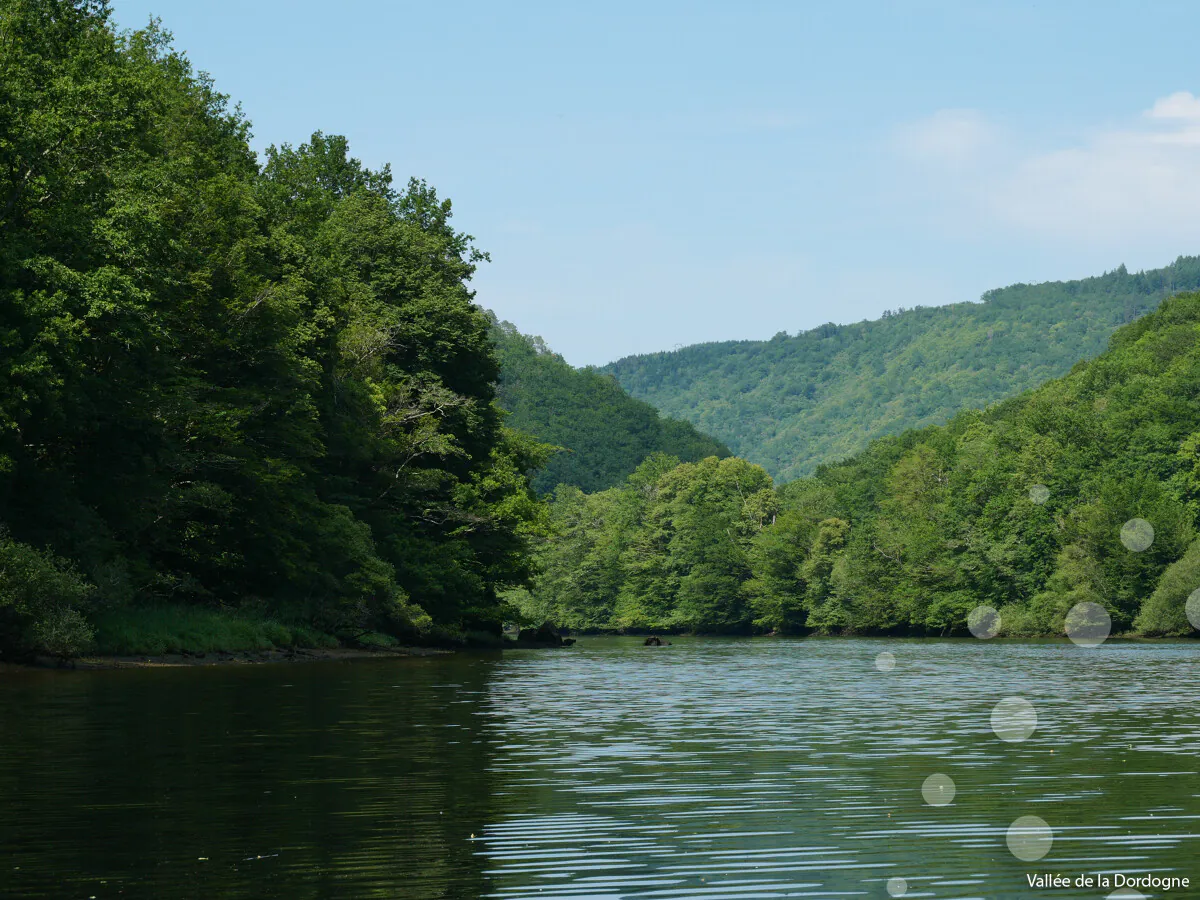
point(603, 432)
point(792, 403)
point(1084, 491)
point(230, 386)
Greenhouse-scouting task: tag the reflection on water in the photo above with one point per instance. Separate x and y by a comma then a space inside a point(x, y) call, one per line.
point(709, 769)
point(317, 780)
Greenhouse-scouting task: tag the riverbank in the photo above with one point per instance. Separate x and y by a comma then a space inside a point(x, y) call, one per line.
point(221, 657)
point(248, 657)
point(176, 636)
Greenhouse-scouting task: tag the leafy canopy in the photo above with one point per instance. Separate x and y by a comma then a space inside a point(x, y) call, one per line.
point(603, 433)
point(1020, 507)
point(226, 384)
point(794, 403)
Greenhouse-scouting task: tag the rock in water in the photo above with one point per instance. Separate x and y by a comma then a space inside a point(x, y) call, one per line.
point(546, 633)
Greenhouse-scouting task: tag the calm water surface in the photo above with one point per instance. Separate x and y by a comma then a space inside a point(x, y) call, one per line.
point(709, 769)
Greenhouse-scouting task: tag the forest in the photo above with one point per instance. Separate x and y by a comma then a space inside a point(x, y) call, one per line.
point(600, 432)
point(251, 402)
point(1026, 507)
point(796, 402)
point(234, 386)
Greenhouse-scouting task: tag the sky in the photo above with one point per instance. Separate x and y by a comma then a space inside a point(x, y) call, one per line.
point(653, 174)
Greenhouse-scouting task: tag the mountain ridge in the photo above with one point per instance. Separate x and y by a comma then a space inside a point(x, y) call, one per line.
point(603, 433)
point(792, 403)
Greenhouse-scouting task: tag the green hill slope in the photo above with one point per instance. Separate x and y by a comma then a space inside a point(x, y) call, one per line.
point(792, 403)
point(230, 386)
point(605, 433)
point(1083, 491)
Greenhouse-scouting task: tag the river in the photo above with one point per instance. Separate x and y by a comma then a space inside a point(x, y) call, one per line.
point(711, 768)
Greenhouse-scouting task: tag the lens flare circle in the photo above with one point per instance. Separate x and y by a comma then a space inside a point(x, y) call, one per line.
point(984, 622)
point(885, 661)
point(1088, 624)
point(1193, 609)
point(939, 790)
point(1137, 535)
point(1014, 720)
point(1030, 838)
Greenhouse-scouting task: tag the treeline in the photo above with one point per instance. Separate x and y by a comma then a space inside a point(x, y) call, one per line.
point(602, 433)
point(1019, 507)
point(226, 384)
point(796, 402)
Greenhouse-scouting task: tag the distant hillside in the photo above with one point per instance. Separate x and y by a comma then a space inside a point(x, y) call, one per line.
point(1072, 506)
point(793, 403)
point(605, 432)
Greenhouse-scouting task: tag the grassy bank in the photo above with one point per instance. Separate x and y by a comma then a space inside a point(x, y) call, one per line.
point(179, 629)
point(176, 629)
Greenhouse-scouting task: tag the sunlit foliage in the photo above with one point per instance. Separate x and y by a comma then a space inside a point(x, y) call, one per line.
point(226, 383)
point(1019, 507)
point(794, 403)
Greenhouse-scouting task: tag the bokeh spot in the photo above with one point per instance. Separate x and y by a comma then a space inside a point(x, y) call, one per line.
point(939, 790)
point(1137, 535)
point(1030, 838)
point(984, 622)
point(1014, 720)
point(1088, 624)
point(1193, 609)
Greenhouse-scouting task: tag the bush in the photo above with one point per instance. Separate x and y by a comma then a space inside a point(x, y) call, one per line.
point(1165, 612)
point(41, 603)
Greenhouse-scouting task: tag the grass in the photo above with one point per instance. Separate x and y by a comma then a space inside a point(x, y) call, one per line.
point(377, 641)
point(173, 629)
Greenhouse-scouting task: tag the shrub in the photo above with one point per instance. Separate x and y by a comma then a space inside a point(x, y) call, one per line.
point(41, 603)
point(1165, 612)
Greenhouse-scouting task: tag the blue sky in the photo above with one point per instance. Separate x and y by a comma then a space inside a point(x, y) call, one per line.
point(647, 175)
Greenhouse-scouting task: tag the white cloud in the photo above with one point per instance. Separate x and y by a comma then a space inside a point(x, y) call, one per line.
point(1180, 105)
point(1125, 188)
point(954, 136)
point(1126, 185)
point(1119, 184)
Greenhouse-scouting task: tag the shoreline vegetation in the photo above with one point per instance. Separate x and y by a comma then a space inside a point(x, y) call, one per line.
point(276, 655)
point(240, 657)
point(1083, 494)
point(250, 406)
point(228, 382)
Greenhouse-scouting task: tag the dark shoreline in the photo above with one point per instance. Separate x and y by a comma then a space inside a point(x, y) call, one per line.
point(219, 658)
point(351, 654)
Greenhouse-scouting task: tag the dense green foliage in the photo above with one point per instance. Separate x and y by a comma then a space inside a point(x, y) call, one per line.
point(666, 550)
point(253, 403)
point(603, 432)
point(41, 598)
point(793, 403)
point(1019, 507)
point(132, 631)
point(228, 385)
